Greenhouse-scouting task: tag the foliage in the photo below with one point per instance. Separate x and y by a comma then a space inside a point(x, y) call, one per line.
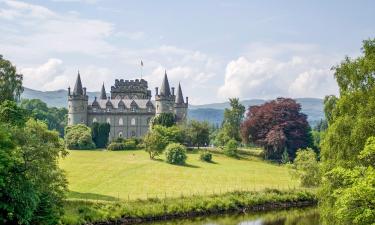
point(173, 134)
point(11, 114)
point(10, 81)
point(55, 118)
point(154, 143)
point(100, 134)
point(306, 168)
point(285, 157)
point(175, 153)
point(78, 137)
point(231, 148)
point(83, 212)
point(122, 144)
point(330, 102)
point(276, 125)
point(206, 156)
point(198, 133)
point(32, 185)
point(233, 118)
point(165, 119)
point(221, 138)
point(352, 123)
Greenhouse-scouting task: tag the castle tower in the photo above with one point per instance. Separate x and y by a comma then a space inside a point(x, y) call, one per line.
point(180, 106)
point(165, 99)
point(77, 104)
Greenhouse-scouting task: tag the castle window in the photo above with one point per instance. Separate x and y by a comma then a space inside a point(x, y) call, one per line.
point(170, 108)
point(133, 133)
point(120, 134)
point(109, 120)
point(108, 110)
point(94, 109)
point(132, 122)
point(120, 122)
point(94, 120)
point(133, 109)
point(149, 109)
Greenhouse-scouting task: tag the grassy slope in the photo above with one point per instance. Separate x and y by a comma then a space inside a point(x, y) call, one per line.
point(104, 175)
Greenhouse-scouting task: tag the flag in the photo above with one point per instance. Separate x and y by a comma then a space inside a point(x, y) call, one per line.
point(141, 63)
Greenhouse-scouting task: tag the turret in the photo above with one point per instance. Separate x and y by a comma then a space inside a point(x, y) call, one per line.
point(77, 103)
point(180, 106)
point(164, 98)
point(103, 94)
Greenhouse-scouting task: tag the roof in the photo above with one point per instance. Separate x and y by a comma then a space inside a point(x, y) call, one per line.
point(141, 103)
point(165, 90)
point(180, 97)
point(103, 94)
point(78, 90)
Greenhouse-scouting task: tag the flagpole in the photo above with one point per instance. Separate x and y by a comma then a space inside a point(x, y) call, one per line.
point(141, 69)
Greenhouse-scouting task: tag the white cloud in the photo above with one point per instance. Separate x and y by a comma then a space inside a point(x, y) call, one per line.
point(301, 72)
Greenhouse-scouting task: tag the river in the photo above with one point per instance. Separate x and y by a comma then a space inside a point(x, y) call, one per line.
point(305, 216)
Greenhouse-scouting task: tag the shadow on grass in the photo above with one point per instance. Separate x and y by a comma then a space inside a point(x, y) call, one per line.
point(90, 196)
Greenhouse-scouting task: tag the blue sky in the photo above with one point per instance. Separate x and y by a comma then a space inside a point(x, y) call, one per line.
point(216, 49)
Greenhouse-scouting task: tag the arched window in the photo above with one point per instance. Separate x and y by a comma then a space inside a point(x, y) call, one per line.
point(149, 109)
point(120, 122)
point(94, 120)
point(132, 122)
point(109, 120)
point(120, 134)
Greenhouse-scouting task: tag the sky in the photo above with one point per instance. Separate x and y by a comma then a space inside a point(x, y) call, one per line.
point(217, 49)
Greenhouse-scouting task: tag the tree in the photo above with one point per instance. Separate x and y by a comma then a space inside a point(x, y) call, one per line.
point(175, 153)
point(173, 134)
point(154, 143)
point(10, 82)
point(306, 168)
point(233, 118)
point(231, 148)
point(199, 133)
point(56, 118)
point(100, 134)
point(352, 123)
point(276, 125)
point(32, 185)
point(78, 137)
point(329, 105)
point(11, 114)
point(165, 119)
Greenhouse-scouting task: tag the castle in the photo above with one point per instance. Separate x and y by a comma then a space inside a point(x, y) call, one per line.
point(129, 108)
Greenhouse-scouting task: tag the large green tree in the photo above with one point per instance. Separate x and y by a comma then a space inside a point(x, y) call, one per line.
point(10, 81)
point(233, 118)
point(165, 119)
point(352, 122)
point(32, 185)
point(56, 118)
point(198, 133)
point(78, 137)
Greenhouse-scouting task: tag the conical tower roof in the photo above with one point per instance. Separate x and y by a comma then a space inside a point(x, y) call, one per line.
point(180, 97)
point(165, 89)
point(78, 90)
point(103, 94)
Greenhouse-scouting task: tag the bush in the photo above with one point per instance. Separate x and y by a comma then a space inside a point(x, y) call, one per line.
point(306, 168)
point(130, 144)
point(154, 143)
point(231, 148)
point(176, 154)
point(78, 137)
point(206, 156)
point(116, 146)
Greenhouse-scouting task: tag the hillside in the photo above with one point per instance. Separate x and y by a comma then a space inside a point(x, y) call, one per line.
point(213, 113)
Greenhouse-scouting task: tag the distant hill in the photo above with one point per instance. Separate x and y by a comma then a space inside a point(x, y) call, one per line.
point(213, 112)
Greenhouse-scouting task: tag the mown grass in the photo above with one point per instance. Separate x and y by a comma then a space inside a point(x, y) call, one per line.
point(80, 212)
point(129, 175)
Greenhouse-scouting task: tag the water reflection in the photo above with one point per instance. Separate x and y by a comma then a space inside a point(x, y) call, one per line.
point(307, 216)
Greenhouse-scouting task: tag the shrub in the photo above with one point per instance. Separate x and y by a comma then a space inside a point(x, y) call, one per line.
point(130, 144)
point(154, 143)
point(231, 148)
point(116, 146)
point(78, 137)
point(206, 156)
point(176, 154)
point(306, 168)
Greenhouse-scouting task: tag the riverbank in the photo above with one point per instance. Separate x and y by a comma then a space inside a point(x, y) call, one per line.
point(129, 212)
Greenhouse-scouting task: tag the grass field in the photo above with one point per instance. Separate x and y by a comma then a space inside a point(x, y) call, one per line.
point(111, 175)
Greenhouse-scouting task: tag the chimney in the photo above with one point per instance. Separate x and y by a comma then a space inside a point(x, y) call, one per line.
point(69, 91)
point(172, 90)
point(84, 91)
point(157, 91)
point(187, 100)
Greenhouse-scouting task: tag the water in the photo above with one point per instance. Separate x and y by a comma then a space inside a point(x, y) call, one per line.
point(306, 216)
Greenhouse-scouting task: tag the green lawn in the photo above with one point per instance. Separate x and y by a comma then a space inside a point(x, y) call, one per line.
point(109, 175)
